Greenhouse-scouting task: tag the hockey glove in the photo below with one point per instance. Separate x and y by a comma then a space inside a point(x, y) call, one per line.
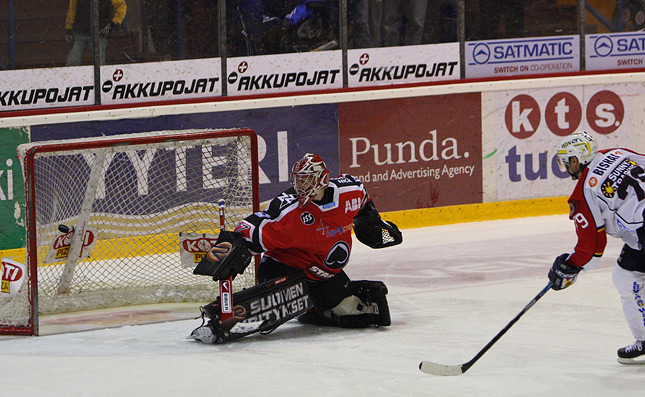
point(377, 233)
point(69, 36)
point(229, 256)
point(105, 32)
point(563, 274)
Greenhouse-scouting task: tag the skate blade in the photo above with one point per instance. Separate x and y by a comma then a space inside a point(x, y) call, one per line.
point(632, 361)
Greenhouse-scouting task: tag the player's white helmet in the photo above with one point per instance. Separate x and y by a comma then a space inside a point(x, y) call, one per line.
point(580, 145)
point(309, 175)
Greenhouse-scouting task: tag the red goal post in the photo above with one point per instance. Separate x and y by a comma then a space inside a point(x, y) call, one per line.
point(138, 212)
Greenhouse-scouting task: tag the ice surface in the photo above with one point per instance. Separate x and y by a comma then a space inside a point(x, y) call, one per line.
point(451, 289)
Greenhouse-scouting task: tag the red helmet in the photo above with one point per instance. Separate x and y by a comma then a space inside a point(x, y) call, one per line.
point(309, 175)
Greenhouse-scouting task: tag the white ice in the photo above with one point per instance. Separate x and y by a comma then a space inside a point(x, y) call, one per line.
point(451, 290)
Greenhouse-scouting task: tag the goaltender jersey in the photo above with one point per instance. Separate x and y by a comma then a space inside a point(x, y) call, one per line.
point(317, 237)
point(609, 198)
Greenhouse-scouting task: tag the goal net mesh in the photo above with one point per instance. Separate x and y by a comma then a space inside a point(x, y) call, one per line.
point(130, 202)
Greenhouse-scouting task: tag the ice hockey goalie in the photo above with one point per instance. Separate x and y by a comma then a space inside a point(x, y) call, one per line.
point(305, 237)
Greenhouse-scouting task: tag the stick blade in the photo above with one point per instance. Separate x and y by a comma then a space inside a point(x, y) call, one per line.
point(440, 369)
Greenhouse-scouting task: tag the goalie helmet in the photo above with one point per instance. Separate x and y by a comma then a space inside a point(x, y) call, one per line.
point(580, 145)
point(309, 175)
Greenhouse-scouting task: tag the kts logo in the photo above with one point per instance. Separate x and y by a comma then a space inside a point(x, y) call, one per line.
point(563, 114)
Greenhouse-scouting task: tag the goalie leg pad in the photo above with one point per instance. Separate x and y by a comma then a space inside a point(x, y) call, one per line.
point(229, 256)
point(367, 306)
point(374, 292)
point(261, 308)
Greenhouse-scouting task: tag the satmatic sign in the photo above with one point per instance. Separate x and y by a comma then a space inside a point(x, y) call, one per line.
point(522, 56)
point(615, 50)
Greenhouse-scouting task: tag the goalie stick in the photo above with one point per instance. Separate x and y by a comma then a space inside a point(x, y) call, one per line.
point(453, 370)
point(226, 285)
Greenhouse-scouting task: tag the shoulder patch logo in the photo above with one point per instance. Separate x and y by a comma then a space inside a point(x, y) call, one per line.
point(593, 181)
point(286, 199)
point(307, 218)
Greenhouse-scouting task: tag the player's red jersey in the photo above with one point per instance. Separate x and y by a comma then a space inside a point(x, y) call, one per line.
point(609, 198)
point(317, 237)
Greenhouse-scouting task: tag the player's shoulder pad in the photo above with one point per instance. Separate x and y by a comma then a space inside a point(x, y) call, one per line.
point(282, 201)
point(346, 180)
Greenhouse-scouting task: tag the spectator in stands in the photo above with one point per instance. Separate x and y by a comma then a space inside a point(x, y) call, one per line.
point(78, 26)
point(403, 22)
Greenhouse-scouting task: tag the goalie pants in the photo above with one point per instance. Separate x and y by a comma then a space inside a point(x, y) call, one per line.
point(324, 294)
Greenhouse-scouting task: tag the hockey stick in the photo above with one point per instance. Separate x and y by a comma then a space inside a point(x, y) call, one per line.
point(452, 370)
point(226, 285)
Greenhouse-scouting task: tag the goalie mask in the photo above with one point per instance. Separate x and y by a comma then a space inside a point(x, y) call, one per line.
point(309, 175)
point(579, 145)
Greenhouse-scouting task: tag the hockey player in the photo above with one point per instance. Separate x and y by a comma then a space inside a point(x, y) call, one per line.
point(307, 230)
point(609, 198)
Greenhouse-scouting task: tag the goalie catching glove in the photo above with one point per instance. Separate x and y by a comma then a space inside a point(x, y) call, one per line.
point(229, 256)
point(373, 231)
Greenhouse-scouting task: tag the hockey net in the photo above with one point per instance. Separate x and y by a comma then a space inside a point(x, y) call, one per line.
point(129, 202)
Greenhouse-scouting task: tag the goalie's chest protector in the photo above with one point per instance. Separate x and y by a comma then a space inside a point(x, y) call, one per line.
point(318, 237)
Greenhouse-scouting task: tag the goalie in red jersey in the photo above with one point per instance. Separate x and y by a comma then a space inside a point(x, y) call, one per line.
point(306, 232)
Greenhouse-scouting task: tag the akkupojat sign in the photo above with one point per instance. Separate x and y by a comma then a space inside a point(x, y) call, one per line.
point(159, 81)
point(408, 64)
point(414, 152)
point(284, 73)
point(46, 88)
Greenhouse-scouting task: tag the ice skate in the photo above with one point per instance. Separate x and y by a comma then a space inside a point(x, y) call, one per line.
point(203, 334)
point(632, 354)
